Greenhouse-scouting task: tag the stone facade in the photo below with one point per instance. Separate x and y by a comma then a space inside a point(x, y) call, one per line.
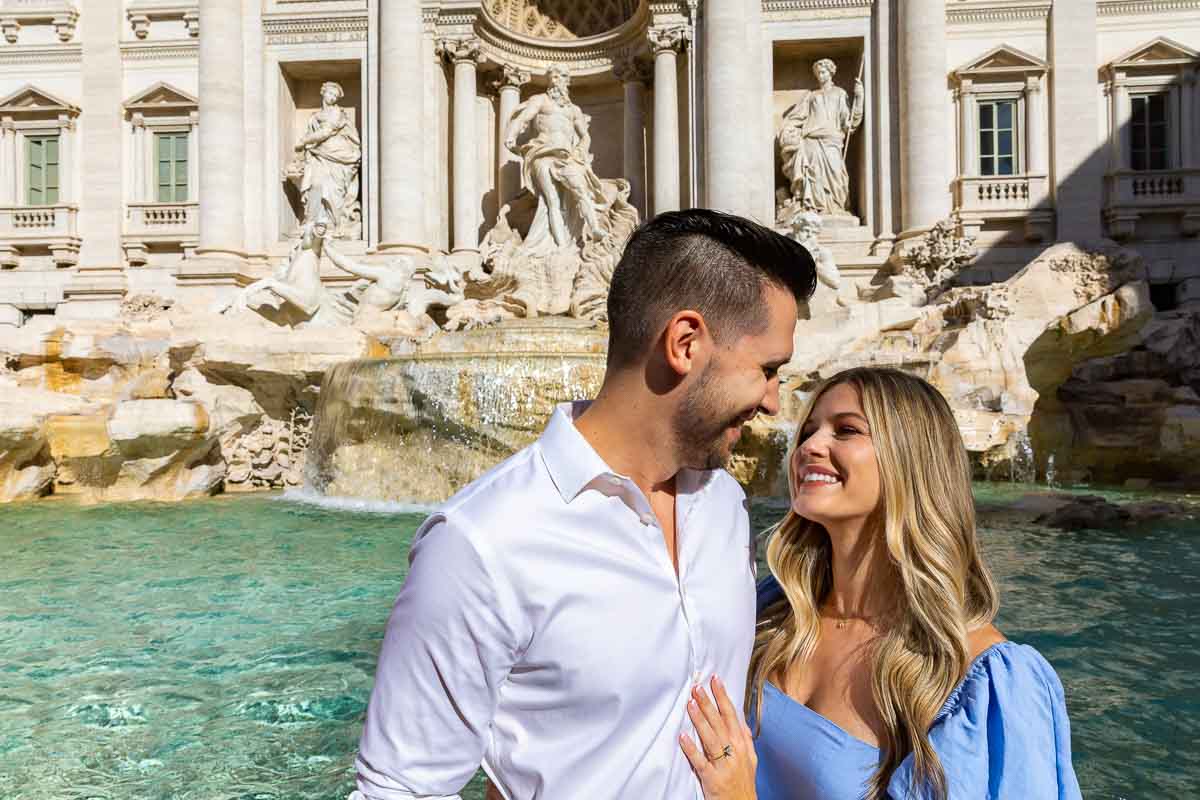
point(1100, 105)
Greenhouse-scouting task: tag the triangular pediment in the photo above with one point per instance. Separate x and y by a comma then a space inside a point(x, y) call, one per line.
point(1160, 51)
point(161, 96)
point(30, 99)
point(1002, 59)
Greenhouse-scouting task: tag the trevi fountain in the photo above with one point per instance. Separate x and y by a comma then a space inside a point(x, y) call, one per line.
point(299, 269)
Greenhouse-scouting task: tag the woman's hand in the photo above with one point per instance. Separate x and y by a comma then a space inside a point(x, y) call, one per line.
point(725, 761)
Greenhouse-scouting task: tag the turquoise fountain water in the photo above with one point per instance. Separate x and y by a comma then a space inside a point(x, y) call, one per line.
point(225, 648)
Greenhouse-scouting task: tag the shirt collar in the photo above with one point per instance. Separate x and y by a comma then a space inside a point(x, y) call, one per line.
point(574, 464)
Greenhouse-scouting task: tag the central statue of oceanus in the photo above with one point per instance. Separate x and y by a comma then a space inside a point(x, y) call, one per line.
point(554, 248)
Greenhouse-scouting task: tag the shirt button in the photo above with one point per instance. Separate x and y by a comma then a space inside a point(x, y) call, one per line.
point(647, 519)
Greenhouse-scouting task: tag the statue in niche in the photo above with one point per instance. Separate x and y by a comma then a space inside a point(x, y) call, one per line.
point(813, 140)
point(554, 247)
point(558, 162)
point(806, 228)
point(329, 154)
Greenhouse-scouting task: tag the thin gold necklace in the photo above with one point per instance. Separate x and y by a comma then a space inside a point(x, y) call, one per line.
point(842, 621)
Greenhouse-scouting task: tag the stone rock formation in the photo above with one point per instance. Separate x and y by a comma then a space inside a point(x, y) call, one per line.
point(132, 409)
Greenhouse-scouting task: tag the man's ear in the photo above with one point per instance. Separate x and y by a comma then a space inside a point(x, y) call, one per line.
point(686, 341)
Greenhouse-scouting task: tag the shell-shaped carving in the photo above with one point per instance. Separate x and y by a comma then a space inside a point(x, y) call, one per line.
point(561, 20)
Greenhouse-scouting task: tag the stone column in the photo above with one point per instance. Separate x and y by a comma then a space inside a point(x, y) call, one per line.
point(1078, 178)
point(193, 156)
point(968, 165)
point(222, 118)
point(883, 116)
point(925, 195)
point(1187, 119)
point(727, 160)
point(633, 75)
point(1174, 127)
point(8, 162)
point(1035, 144)
point(142, 191)
point(508, 177)
point(666, 42)
point(98, 286)
point(464, 55)
point(1120, 111)
point(401, 128)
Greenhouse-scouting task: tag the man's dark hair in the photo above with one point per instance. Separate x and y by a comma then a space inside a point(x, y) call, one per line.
point(716, 264)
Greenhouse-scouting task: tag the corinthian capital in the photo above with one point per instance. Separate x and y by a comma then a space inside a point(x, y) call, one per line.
point(459, 50)
point(512, 76)
point(663, 38)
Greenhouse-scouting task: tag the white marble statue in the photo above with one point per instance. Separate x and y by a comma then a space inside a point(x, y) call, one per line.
point(830, 294)
point(558, 164)
point(554, 247)
point(813, 140)
point(294, 295)
point(329, 155)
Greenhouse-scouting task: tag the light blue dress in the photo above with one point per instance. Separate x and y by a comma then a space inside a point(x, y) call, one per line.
point(1003, 733)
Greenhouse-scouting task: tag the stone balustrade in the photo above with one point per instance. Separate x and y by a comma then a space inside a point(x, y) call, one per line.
point(979, 199)
point(162, 224)
point(158, 219)
point(1129, 195)
point(53, 228)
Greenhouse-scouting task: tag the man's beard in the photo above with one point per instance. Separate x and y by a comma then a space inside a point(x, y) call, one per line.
point(559, 95)
point(700, 425)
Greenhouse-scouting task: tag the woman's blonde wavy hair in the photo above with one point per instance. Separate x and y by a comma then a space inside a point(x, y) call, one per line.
point(926, 521)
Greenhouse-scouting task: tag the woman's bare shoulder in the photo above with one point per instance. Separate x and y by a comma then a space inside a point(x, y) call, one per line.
point(982, 638)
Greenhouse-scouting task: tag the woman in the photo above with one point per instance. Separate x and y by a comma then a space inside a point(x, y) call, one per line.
point(877, 672)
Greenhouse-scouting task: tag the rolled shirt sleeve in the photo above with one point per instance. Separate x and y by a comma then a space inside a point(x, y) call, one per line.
point(449, 645)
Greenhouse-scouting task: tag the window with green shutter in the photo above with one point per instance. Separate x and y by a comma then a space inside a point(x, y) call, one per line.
point(172, 156)
point(41, 170)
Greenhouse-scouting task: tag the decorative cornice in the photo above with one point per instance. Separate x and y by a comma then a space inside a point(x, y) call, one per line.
point(972, 12)
point(813, 5)
point(166, 50)
point(326, 28)
point(1133, 8)
point(41, 54)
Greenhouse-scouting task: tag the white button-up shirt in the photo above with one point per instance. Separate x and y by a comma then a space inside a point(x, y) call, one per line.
point(542, 632)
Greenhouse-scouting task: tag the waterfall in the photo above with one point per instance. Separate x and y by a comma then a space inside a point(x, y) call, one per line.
point(1022, 466)
point(418, 427)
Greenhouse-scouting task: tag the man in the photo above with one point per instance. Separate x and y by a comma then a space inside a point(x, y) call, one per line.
point(559, 610)
point(557, 158)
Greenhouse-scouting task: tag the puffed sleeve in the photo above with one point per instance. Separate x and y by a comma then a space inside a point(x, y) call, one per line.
point(449, 645)
point(1003, 734)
